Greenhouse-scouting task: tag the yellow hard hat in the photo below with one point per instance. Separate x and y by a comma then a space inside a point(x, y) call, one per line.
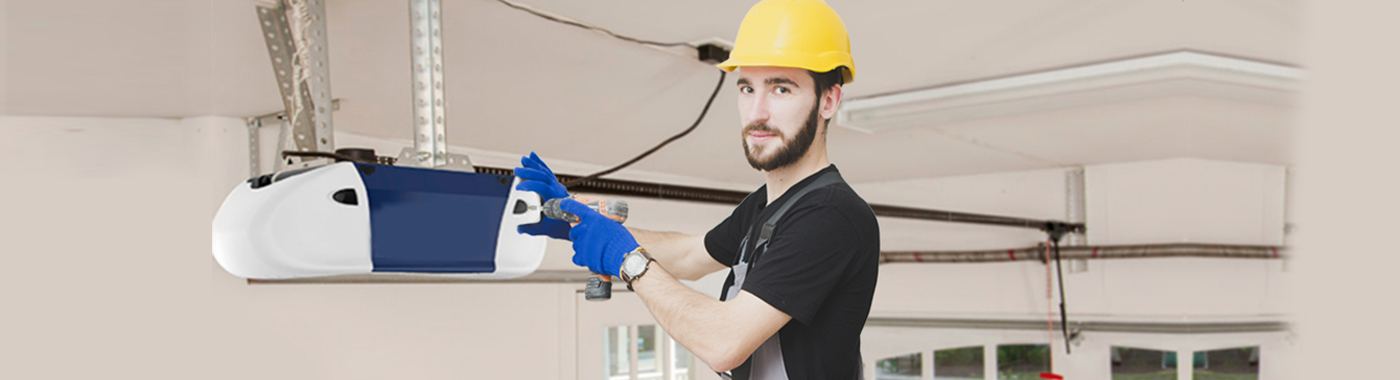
point(804, 34)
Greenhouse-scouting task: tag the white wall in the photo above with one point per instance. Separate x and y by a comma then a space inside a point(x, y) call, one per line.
point(1185, 200)
point(1144, 289)
point(105, 267)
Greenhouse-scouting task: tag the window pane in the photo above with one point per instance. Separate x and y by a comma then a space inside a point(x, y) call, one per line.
point(681, 360)
point(1140, 364)
point(648, 362)
point(616, 361)
point(958, 363)
point(1228, 364)
point(1022, 361)
point(907, 367)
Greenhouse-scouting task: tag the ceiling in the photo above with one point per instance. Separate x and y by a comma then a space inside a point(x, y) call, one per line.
point(518, 83)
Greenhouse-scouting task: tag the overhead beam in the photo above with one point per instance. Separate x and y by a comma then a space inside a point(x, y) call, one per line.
point(1140, 251)
point(731, 197)
point(1084, 326)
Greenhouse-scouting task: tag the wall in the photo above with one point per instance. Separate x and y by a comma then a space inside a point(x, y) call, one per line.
point(1182, 200)
point(1185, 200)
point(103, 269)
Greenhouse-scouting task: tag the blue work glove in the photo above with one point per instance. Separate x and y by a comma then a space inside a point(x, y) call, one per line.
point(599, 242)
point(537, 177)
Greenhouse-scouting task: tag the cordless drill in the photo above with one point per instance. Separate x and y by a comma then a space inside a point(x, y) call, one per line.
point(599, 286)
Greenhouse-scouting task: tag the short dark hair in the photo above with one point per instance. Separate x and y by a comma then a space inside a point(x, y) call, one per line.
point(824, 81)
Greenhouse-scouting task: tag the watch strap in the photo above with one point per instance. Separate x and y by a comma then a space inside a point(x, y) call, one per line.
point(629, 279)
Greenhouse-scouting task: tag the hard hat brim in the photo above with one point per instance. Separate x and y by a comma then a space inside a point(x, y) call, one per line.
point(794, 60)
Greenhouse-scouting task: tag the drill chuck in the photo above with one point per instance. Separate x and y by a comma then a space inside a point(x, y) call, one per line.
point(612, 209)
point(599, 286)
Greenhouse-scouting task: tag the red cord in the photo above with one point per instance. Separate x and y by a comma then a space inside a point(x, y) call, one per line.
point(1049, 311)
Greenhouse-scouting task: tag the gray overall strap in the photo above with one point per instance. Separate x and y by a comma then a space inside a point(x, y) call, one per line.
point(766, 362)
point(823, 181)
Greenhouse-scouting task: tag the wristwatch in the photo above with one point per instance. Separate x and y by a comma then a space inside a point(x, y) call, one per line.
point(634, 265)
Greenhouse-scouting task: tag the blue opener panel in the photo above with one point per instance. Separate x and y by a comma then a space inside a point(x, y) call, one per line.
point(425, 220)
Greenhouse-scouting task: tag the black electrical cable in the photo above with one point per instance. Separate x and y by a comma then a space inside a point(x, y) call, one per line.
point(1060, 275)
point(629, 39)
point(590, 27)
point(687, 131)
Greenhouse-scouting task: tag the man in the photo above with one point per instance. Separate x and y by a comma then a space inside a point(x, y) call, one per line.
point(801, 282)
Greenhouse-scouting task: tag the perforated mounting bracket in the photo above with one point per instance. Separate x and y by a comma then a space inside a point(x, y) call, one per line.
point(254, 153)
point(303, 76)
point(429, 104)
point(413, 158)
point(297, 47)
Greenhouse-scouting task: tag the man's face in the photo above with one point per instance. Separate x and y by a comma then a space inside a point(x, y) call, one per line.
point(778, 107)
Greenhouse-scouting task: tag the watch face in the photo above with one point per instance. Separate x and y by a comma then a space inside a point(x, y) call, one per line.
point(634, 264)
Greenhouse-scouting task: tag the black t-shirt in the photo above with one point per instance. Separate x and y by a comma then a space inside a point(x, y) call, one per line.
point(820, 268)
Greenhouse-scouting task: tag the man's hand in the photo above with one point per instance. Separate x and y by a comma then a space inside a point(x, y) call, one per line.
point(537, 177)
point(599, 242)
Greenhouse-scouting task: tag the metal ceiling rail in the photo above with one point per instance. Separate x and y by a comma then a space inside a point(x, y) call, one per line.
point(731, 197)
point(539, 277)
point(1172, 250)
point(889, 257)
point(1084, 326)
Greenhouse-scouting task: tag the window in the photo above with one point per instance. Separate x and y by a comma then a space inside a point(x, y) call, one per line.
point(906, 367)
point(1198, 359)
point(648, 367)
point(617, 357)
point(958, 363)
point(1142, 364)
point(681, 361)
point(1228, 364)
point(1022, 361)
point(657, 356)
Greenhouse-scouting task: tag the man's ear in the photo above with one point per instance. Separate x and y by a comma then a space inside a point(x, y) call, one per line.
point(830, 102)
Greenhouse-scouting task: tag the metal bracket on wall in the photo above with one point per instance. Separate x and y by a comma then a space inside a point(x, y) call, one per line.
point(1075, 212)
point(429, 104)
point(1075, 208)
point(413, 158)
point(254, 154)
point(301, 69)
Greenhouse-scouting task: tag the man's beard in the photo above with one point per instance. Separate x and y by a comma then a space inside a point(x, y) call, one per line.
point(790, 152)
